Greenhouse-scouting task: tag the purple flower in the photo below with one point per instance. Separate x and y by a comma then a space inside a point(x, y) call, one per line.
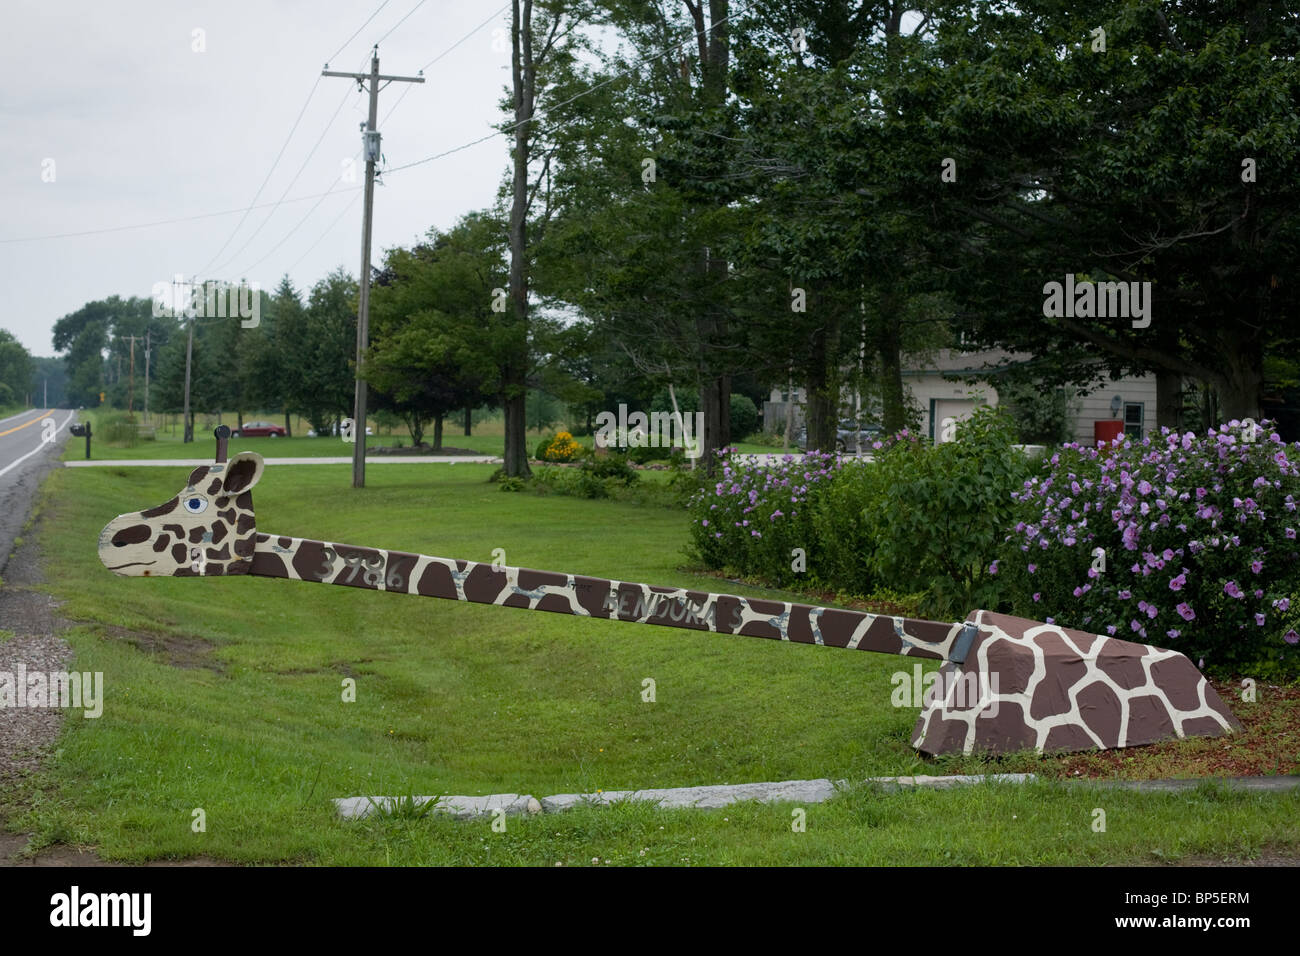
point(1291, 637)
point(1176, 584)
point(1172, 632)
point(1033, 568)
point(1233, 591)
point(1185, 612)
point(1259, 620)
point(1256, 566)
point(1037, 595)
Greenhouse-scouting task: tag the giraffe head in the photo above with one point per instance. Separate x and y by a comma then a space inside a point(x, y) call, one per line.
point(206, 529)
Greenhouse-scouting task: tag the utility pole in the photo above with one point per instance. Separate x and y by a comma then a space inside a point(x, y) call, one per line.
point(187, 434)
point(130, 388)
point(146, 373)
point(370, 141)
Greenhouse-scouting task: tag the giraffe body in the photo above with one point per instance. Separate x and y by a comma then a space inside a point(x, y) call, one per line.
point(1036, 686)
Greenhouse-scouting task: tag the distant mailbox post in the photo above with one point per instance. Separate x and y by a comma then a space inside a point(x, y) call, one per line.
point(83, 428)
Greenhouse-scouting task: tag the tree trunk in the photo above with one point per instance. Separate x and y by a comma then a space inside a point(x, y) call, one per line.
point(789, 412)
point(823, 389)
point(468, 415)
point(288, 428)
point(1241, 385)
point(889, 337)
point(437, 433)
point(516, 436)
point(1169, 400)
point(713, 43)
point(514, 375)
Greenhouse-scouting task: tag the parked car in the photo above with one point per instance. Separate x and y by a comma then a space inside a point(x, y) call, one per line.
point(850, 436)
point(259, 430)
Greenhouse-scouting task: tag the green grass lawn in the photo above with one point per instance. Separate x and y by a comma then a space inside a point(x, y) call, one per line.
point(168, 441)
point(226, 695)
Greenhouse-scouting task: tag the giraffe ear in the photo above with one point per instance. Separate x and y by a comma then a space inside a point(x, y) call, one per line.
point(241, 472)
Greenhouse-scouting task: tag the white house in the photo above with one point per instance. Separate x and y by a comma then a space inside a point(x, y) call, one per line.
point(938, 387)
point(946, 385)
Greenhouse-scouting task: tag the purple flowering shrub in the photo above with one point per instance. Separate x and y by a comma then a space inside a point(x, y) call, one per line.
point(1197, 538)
point(753, 515)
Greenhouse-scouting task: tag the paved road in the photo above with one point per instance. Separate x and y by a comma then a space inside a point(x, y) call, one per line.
point(29, 447)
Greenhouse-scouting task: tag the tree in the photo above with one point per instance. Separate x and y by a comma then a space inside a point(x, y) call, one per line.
point(535, 43)
point(278, 363)
point(16, 370)
point(324, 380)
point(429, 355)
point(1074, 161)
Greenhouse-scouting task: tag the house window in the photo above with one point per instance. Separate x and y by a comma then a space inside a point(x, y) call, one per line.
point(1133, 419)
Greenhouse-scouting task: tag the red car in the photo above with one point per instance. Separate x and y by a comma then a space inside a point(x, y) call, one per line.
point(259, 430)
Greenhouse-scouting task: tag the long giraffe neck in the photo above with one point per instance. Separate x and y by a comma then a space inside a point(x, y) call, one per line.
point(325, 562)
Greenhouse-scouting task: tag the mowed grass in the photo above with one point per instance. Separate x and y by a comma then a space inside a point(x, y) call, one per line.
point(487, 439)
point(226, 696)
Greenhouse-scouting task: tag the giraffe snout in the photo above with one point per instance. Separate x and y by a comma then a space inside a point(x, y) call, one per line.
point(123, 546)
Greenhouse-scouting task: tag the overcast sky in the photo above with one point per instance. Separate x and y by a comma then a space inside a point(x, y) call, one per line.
point(112, 102)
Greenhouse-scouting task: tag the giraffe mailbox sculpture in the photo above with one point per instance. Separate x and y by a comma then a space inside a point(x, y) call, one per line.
point(1006, 684)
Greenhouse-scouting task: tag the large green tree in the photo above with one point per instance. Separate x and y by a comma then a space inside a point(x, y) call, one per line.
point(1167, 157)
point(16, 370)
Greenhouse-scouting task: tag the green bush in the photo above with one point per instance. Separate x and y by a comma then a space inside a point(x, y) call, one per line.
point(543, 447)
point(946, 510)
point(647, 454)
point(744, 417)
point(918, 520)
point(120, 429)
point(612, 466)
point(842, 545)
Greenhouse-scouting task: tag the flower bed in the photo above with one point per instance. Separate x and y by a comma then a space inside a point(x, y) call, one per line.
point(1183, 541)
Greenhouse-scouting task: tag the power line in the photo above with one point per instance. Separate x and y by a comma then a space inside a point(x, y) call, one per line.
point(543, 113)
point(328, 229)
point(359, 29)
point(247, 242)
point(286, 236)
point(163, 222)
point(504, 8)
point(275, 164)
point(390, 112)
point(399, 22)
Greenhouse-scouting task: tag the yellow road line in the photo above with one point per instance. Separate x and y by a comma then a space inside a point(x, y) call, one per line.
point(18, 428)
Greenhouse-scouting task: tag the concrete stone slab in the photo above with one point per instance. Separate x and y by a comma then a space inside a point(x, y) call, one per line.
point(460, 807)
point(703, 798)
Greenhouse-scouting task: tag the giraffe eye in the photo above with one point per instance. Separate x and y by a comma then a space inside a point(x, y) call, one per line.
point(196, 505)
